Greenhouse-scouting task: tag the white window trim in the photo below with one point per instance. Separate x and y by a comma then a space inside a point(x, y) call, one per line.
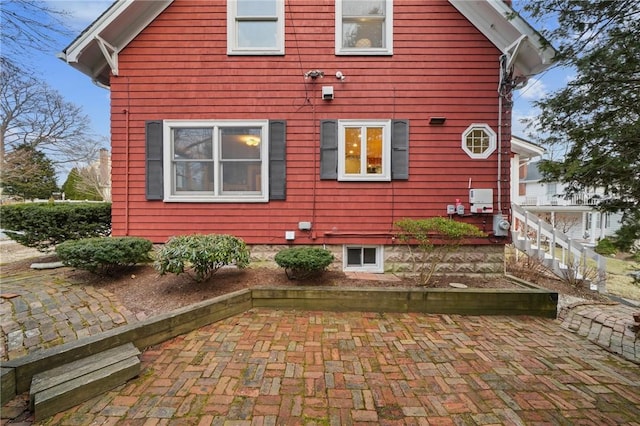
point(167, 177)
point(492, 140)
point(233, 49)
point(388, 50)
point(386, 150)
point(378, 268)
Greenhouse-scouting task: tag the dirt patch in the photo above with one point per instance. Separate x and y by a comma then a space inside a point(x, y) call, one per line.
point(142, 290)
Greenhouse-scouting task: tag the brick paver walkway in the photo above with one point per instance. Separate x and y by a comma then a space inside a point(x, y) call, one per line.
point(40, 311)
point(268, 367)
point(607, 325)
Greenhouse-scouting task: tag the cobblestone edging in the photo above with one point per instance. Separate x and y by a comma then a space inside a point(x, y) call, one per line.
point(607, 325)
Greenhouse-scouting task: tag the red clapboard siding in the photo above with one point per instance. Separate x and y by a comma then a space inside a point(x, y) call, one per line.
point(177, 68)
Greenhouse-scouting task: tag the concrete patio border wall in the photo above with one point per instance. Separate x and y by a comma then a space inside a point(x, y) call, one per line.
point(17, 374)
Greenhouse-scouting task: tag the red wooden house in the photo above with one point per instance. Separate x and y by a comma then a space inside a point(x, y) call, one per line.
point(309, 122)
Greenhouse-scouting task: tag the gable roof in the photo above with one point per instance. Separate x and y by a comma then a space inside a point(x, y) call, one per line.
point(95, 51)
point(527, 50)
point(526, 149)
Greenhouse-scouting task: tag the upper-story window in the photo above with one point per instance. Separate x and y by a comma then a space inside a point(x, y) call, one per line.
point(364, 149)
point(364, 27)
point(479, 140)
point(255, 27)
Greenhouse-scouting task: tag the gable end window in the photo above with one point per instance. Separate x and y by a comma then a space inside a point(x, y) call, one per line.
point(364, 27)
point(255, 27)
point(479, 141)
point(216, 161)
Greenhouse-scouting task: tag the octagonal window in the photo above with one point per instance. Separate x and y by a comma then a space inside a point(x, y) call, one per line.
point(479, 140)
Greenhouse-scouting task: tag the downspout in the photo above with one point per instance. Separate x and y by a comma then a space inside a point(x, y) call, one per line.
point(499, 175)
point(126, 172)
point(501, 93)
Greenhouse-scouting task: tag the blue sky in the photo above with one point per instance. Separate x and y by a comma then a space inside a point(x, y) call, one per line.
point(79, 89)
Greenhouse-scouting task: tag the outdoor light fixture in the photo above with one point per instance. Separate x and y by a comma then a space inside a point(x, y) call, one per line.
point(437, 120)
point(313, 74)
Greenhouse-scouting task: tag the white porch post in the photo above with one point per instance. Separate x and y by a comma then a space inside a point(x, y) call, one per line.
point(603, 225)
point(592, 233)
point(583, 224)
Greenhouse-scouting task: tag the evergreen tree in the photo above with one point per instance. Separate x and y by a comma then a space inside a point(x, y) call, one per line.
point(28, 173)
point(596, 117)
point(75, 189)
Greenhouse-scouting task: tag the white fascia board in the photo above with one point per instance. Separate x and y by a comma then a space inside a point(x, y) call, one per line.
point(73, 52)
point(504, 28)
point(117, 27)
point(525, 148)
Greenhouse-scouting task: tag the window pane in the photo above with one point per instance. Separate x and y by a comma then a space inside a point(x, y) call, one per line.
point(256, 7)
point(353, 149)
point(240, 143)
point(193, 176)
point(353, 257)
point(194, 144)
point(363, 24)
point(374, 150)
point(369, 255)
point(363, 34)
point(363, 8)
point(241, 176)
point(257, 34)
point(478, 141)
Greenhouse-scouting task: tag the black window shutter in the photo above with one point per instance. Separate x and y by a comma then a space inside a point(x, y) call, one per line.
point(277, 160)
point(400, 149)
point(328, 149)
point(154, 179)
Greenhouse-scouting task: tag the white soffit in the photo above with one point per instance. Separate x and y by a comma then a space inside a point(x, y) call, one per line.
point(529, 53)
point(524, 148)
point(95, 51)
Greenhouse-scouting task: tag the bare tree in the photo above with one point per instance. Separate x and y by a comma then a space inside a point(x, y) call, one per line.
point(34, 114)
point(29, 26)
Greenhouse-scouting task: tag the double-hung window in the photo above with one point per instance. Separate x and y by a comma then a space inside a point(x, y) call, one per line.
point(364, 27)
point(364, 149)
point(255, 27)
point(216, 161)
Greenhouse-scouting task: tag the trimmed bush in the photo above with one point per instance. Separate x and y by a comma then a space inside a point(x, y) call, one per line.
point(204, 254)
point(104, 255)
point(44, 225)
point(605, 247)
point(301, 262)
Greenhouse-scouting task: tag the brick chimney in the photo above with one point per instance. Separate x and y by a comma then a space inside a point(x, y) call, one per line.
point(104, 167)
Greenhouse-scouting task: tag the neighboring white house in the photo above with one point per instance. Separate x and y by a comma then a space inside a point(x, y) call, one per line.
point(577, 215)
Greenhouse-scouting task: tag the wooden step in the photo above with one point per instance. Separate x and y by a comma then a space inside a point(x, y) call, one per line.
point(66, 386)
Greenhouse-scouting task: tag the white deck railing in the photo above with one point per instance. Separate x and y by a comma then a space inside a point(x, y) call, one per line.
point(582, 199)
point(567, 258)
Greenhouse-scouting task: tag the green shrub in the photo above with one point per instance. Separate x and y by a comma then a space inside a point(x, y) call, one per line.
point(425, 255)
point(301, 262)
point(104, 255)
point(44, 225)
point(605, 247)
point(204, 254)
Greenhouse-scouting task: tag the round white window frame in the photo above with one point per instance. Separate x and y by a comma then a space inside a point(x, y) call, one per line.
point(492, 140)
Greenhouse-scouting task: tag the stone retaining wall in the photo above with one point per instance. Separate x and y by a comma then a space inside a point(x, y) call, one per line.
point(467, 260)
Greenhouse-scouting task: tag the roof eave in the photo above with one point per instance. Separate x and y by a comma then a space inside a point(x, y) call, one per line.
point(525, 149)
point(504, 27)
point(116, 27)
